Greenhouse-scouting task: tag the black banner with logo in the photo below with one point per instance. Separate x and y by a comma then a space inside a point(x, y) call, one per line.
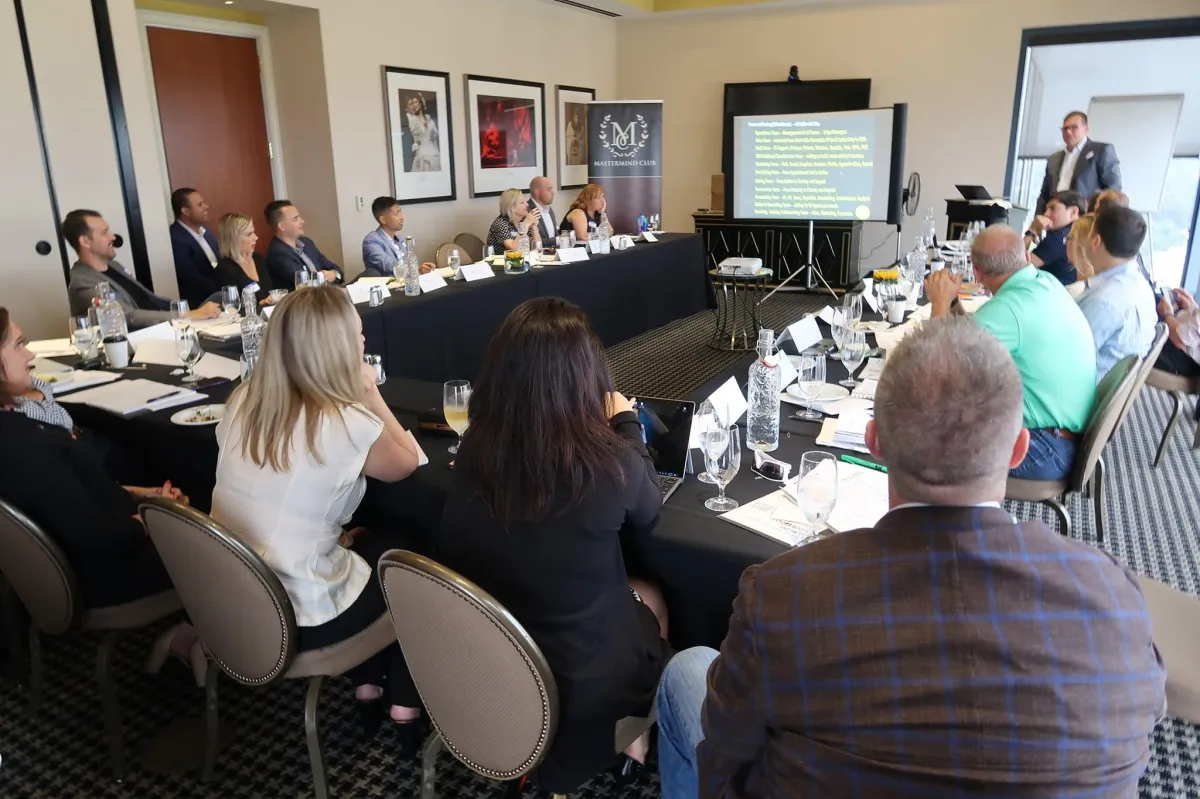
point(625, 159)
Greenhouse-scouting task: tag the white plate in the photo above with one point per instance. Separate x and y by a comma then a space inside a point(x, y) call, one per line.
point(829, 393)
point(187, 417)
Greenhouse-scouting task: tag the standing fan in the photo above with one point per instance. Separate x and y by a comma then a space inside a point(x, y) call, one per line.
point(912, 201)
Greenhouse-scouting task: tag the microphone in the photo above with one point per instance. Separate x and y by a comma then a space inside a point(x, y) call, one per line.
point(794, 75)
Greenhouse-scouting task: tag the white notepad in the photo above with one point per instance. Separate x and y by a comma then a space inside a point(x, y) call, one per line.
point(124, 397)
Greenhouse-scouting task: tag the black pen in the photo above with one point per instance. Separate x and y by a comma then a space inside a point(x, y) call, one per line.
point(168, 395)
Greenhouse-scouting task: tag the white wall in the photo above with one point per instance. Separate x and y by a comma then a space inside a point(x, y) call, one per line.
point(955, 64)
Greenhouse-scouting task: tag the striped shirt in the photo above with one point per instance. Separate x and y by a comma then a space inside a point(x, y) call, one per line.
point(945, 652)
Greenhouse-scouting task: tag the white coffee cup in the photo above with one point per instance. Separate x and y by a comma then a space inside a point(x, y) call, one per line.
point(895, 311)
point(117, 354)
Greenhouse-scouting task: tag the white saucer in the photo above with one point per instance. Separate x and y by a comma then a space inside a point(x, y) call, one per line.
point(188, 416)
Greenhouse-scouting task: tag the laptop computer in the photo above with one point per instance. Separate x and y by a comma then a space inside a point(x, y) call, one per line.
point(974, 192)
point(667, 431)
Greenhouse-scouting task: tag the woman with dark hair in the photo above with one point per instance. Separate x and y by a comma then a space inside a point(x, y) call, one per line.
point(550, 470)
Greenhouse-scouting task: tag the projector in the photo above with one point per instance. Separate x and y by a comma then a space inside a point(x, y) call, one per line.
point(740, 267)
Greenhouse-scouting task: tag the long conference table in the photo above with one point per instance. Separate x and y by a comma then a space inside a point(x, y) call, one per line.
point(442, 335)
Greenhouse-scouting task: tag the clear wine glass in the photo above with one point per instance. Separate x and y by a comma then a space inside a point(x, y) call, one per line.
point(187, 347)
point(456, 395)
point(231, 302)
point(838, 328)
point(722, 462)
point(854, 350)
point(179, 312)
point(816, 487)
point(810, 380)
point(852, 308)
point(84, 337)
point(706, 418)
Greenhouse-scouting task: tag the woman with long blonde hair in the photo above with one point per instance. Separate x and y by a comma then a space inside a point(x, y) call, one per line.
point(299, 437)
point(239, 264)
point(585, 214)
point(1077, 251)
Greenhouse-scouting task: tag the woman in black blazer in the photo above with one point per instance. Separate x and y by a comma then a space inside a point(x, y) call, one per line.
point(239, 265)
point(59, 481)
point(551, 469)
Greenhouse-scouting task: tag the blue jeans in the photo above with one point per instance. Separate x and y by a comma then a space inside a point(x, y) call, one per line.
point(1050, 457)
point(680, 697)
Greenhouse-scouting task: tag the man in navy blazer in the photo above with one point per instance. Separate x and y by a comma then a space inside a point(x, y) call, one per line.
point(1085, 166)
point(291, 251)
point(194, 247)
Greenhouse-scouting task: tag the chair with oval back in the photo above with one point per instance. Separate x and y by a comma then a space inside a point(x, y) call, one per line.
point(37, 571)
point(442, 257)
point(246, 621)
point(1089, 471)
point(472, 244)
point(486, 685)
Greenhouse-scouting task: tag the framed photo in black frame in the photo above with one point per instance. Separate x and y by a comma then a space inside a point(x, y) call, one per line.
point(571, 126)
point(420, 134)
point(506, 125)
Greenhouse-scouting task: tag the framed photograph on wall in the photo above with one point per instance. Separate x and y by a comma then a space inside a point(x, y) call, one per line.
point(506, 124)
point(572, 119)
point(420, 134)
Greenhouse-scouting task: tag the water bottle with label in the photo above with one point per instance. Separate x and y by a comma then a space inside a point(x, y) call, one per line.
point(114, 330)
point(401, 260)
point(762, 420)
point(251, 328)
point(643, 223)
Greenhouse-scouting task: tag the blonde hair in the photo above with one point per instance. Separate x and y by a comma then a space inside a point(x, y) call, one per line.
point(509, 200)
point(590, 192)
point(308, 363)
point(1081, 231)
point(230, 230)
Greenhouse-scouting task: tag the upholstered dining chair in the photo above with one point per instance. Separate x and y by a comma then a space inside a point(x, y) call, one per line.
point(246, 621)
point(442, 257)
point(1089, 471)
point(38, 573)
point(483, 680)
point(471, 244)
point(1178, 387)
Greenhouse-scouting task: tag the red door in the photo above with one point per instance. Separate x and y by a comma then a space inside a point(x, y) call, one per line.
point(214, 128)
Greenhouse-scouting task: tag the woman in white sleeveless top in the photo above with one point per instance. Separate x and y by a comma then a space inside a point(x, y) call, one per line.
point(296, 445)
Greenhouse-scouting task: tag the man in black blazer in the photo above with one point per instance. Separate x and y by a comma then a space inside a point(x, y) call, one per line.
point(291, 251)
point(1085, 166)
point(194, 247)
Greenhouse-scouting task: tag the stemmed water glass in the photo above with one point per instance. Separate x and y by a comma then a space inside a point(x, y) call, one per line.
point(187, 347)
point(722, 458)
point(706, 418)
point(854, 351)
point(852, 309)
point(817, 487)
point(179, 313)
point(231, 302)
point(838, 328)
point(810, 380)
point(456, 395)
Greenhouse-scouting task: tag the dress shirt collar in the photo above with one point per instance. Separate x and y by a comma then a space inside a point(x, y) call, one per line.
point(1100, 278)
point(1077, 149)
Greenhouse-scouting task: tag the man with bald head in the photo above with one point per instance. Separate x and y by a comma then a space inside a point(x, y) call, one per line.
point(1047, 335)
point(541, 194)
point(946, 650)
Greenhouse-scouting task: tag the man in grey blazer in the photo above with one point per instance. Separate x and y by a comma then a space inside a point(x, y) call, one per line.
point(1085, 166)
point(92, 239)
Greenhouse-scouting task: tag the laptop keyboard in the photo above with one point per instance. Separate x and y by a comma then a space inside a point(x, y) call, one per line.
point(664, 483)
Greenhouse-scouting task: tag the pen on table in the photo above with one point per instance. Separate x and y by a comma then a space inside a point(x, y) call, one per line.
point(168, 395)
point(860, 462)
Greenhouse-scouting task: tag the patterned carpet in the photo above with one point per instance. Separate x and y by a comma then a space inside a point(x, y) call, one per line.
point(1154, 523)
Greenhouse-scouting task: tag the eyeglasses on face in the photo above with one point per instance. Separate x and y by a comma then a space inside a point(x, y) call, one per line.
point(1071, 128)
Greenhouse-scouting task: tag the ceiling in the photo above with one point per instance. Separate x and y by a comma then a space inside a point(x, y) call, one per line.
point(1072, 74)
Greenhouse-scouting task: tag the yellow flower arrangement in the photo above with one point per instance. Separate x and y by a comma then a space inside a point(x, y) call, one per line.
point(886, 274)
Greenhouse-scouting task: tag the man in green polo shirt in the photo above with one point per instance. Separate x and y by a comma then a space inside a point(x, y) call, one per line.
point(1048, 337)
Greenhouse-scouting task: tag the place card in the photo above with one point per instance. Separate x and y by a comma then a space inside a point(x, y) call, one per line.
point(803, 333)
point(573, 255)
point(729, 403)
point(650, 237)
point(359, 292)
point(787, 371)
point(826, 315)
point(479, 271)
point(869, 294)
point(432, 282)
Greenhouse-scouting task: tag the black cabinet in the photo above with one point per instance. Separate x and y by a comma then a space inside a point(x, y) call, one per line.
point(783, 247)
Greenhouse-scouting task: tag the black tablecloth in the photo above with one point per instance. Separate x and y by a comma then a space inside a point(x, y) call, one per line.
point(442, 336)
point(696, 556)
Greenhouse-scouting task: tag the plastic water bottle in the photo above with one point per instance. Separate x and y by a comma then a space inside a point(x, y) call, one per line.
point(643, 223)
point(401, 259)
point(114, 330)
point(412, 277)
point(606, 227)
point(251, 328)
point(762, 420)
point(930, 227)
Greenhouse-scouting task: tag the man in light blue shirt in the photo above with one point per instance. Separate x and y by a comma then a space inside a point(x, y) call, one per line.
point(1118, 302)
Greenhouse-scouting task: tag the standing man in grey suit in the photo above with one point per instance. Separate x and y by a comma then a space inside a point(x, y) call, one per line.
point(1085, 166)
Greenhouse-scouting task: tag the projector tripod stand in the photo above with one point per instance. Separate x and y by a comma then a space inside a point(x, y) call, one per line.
point(810, 267)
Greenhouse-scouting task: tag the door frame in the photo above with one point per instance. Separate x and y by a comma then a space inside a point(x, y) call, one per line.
point(262, 40)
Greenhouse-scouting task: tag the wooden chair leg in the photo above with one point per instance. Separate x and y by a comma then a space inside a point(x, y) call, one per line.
point(108, 699)
point(1064, 519)
point(429, 755)
point(211, 722)
point(312, 732)
point(1098, 498)
point(1177, 399)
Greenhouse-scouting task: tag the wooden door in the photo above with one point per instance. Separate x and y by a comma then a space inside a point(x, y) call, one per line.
point(214, 126)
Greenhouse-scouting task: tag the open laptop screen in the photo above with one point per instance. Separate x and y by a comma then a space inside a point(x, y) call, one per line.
point(666, 429)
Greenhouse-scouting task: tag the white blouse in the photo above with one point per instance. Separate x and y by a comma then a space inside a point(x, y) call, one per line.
point(293, 519)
